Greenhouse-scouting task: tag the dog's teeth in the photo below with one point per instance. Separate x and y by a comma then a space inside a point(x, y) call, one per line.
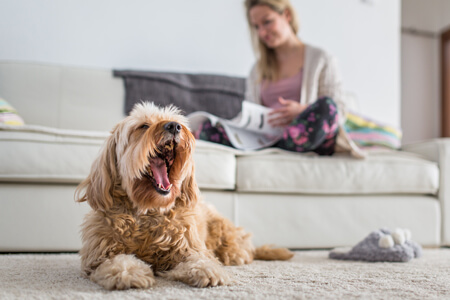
point(163, 188)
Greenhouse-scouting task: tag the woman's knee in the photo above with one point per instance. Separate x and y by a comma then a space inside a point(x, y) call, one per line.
point(326, 104)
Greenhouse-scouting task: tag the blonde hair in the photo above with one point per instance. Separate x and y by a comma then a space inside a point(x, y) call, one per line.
point(267, 61)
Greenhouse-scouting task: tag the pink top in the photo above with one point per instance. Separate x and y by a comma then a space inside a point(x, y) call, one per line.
point(288, 88)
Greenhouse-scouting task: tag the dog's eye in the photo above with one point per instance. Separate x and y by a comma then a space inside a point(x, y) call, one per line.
point(145, 126)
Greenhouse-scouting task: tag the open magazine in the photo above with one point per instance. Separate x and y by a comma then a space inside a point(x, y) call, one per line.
point(248, 131)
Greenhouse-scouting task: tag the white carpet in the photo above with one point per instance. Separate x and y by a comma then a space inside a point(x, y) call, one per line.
point(309, 275)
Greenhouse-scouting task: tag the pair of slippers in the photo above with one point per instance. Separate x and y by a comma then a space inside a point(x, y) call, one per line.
point(381, 246)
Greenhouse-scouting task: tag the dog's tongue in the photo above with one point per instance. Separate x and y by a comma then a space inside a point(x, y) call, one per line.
point(159, 171)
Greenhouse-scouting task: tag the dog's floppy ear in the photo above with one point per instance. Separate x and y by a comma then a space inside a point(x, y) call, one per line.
point(97, 189)
point(189, 187)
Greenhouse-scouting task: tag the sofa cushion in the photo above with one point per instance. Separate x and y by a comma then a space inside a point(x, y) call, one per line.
point(215, 166)
point(387, 172)
point(63, 96)
point(44, 154)
point(49, 155)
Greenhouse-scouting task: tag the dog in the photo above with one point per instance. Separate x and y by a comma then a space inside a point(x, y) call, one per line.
point(147, 216)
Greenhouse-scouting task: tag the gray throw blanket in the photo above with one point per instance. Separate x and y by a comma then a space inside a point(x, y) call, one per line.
point(219, 95)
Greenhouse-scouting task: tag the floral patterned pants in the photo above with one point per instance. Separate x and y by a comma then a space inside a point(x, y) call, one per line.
point(315, 129)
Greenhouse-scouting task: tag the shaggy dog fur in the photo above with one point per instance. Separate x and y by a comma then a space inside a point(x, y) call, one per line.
point(147, 213)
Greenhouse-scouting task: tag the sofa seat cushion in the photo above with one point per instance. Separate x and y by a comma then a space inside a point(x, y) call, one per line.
point(43, 154)
point(388, 172)
point(215, 166)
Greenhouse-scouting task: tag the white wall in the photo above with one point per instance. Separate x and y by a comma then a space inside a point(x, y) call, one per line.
point(206, 36)
point(420, 67)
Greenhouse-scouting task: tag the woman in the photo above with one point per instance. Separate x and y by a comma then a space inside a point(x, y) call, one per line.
point(299, 81)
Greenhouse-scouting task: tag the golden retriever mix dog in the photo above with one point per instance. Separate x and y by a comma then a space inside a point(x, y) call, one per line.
point(147, 215)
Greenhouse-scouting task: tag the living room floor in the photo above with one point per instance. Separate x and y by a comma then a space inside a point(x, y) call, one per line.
point(308, 275)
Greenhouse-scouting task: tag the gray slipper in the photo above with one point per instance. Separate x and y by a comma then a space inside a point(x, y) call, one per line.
point(382, 245)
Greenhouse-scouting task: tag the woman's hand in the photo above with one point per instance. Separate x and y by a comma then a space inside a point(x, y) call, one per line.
point(285, 114)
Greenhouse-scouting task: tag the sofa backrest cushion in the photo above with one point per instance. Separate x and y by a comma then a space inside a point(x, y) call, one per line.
point(63, 96)
point(216, 94)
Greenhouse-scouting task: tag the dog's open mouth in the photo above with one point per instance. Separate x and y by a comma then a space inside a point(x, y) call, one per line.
point(158, 169)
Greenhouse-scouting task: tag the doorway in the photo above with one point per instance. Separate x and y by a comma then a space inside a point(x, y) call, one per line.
point(445, 83)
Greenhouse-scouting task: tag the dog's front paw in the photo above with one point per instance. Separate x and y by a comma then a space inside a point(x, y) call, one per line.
point(123, 272)
point(199, 272)
point(212, 275)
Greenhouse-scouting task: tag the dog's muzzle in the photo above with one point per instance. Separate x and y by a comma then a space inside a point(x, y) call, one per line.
point(159, 166)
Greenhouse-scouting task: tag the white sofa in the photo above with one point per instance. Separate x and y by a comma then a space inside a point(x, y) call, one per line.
point(292, 200)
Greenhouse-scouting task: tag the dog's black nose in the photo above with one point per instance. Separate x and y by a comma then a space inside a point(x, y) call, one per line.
point(172, 127)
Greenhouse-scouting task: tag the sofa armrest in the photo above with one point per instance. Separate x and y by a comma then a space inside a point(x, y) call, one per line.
point(438, 150)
